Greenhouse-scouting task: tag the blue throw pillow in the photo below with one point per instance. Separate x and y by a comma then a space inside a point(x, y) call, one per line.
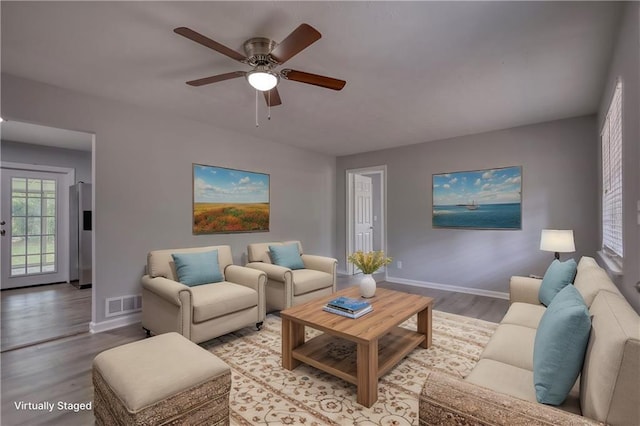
point(197, 268)
point(286, 255)
point(558, 275)
point(559, 347)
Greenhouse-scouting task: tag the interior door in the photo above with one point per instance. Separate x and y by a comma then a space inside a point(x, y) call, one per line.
point(363, 214)
point(32, 203)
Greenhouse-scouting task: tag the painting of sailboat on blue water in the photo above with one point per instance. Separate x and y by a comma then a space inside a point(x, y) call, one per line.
point(478, 199)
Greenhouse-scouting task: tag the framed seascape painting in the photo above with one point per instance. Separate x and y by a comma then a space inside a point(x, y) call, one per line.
point(229, 200)
point(478, 199)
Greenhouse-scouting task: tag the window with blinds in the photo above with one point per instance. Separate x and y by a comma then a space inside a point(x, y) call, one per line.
point(612, 176)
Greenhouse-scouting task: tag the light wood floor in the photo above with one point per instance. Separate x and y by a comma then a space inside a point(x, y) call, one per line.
point(36, 314)
point(469, 305)
point(60, 370)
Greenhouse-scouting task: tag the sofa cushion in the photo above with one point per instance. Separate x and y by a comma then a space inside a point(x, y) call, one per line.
point(560, 344)
point(609, 383)
point(587, 262)
point(259, 252)
point(524, 314)
point(591, 279)
point(518, 382)
point(558, 275)
point(197, 268)
point(511, 344)
point(503, 377)
point(308, 280)
point(212, 301)
point(287, 255)
point(160, 262)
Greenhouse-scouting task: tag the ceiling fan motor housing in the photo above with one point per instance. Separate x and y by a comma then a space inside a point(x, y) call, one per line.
point(258, 49)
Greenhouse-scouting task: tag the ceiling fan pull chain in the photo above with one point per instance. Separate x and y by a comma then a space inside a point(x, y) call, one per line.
point(257, 124)
point(269, 106)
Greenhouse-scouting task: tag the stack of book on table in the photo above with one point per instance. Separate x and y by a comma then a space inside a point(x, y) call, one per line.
point(348, 307)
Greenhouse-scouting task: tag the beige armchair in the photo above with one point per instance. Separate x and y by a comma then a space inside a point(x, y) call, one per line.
point(201, 312)
point(286, 287)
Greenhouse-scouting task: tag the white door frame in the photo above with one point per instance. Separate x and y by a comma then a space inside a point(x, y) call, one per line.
point(68, 178)
point(379, 170)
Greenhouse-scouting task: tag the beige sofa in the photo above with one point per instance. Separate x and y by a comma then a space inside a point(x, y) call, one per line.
point(286, 287)
point(500, 391)
point(205, 311)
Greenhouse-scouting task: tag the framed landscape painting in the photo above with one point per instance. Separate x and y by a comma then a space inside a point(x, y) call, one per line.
point(478, 199)
point(229, 200)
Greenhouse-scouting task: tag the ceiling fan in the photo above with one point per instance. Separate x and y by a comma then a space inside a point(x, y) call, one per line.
point(264, 55)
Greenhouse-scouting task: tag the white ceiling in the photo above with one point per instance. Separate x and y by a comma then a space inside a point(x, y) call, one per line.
point(415, 71)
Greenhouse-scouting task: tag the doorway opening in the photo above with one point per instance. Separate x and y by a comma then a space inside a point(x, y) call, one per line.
point(366, 211)
point(40, 298)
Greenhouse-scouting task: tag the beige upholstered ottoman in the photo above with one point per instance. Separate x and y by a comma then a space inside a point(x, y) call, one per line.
point(162, 380)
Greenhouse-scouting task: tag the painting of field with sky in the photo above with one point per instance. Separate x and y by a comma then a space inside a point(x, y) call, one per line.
point(485, 199)
point(228, 200)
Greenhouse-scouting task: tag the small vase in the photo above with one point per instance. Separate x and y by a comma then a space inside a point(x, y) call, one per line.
point(367, 286)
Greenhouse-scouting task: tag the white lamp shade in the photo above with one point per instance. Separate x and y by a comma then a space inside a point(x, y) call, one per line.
point(557, 240)
point(262, 81)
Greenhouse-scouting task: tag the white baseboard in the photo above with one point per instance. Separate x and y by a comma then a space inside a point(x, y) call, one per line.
point(124, 320)
point(447, 287)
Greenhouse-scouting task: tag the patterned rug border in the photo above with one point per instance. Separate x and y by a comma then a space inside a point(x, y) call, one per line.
point(264, 393)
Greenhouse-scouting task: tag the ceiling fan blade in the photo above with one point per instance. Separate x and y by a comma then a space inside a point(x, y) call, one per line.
point(206, 41)
point(272, 97)
point(314, 79)
point(301, 38)
point(216, 78)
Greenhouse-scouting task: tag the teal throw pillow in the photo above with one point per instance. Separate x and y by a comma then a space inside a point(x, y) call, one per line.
point(197, 268)
point(286, 255)
point(559, 347)
point(558, 275)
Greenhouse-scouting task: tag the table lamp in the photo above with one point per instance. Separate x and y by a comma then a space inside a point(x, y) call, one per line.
point(558, 241)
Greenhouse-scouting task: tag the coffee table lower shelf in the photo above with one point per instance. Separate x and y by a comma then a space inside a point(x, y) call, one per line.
point(392, 348)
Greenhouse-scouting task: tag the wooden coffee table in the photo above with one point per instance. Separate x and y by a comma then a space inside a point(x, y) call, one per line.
point(377, 339)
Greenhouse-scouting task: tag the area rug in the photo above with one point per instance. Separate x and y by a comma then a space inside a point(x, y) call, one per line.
point(264, 393)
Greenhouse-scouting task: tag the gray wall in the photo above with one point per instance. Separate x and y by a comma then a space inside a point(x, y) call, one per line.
point(143, 180)
point(626, 66)
point(27, 153)
point(560, 181)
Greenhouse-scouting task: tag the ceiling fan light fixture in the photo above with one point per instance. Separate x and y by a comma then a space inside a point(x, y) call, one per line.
point(262, 80)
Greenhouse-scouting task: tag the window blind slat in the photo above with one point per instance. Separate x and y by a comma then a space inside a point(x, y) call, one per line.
point(611, 137)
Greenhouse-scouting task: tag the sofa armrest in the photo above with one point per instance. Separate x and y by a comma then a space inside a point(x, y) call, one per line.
point(252, 278)
point(166, 306)
point(525, 290)
point(248, 277)
point(447, 400)
point(320, 263)
point(165, 288)
point(274, 272)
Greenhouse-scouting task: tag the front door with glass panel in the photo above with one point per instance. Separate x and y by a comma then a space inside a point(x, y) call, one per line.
point(31, 212)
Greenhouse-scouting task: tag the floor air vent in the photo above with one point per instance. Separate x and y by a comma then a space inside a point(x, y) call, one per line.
point(123, 305)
